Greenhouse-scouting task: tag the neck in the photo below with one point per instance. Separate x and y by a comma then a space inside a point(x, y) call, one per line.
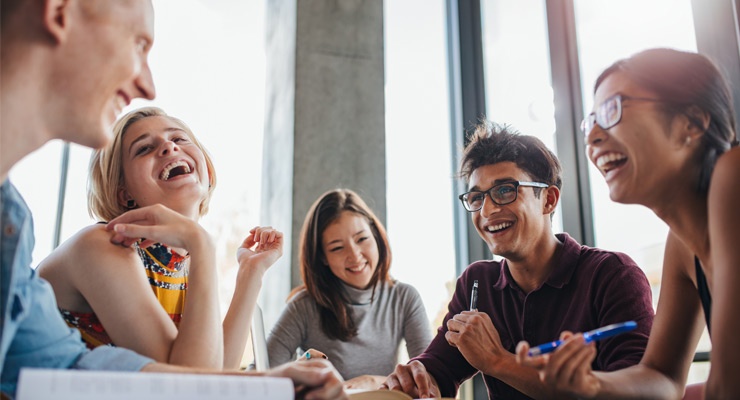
point(22, 130)
point(686, 216)
point(533, 269)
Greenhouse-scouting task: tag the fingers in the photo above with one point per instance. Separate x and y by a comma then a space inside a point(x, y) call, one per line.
point(412, 379)
point(313, 354)
point(523, 358)
point(402, 380)
point(318, 378)
point(567, 359)
point(266, 238)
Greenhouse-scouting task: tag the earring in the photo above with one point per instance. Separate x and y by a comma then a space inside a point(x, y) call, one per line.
point(687, 142)
point(130, 204)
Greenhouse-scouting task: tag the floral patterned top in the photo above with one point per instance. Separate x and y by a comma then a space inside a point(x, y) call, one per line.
point(168, 278)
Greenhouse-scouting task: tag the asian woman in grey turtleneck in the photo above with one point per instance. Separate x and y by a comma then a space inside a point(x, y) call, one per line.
point(349, 308)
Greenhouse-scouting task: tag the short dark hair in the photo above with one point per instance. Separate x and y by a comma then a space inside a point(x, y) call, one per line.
point(682, 81)
point(491, 143)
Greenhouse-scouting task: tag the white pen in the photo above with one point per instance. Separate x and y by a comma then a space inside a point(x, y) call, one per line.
point(474, 296)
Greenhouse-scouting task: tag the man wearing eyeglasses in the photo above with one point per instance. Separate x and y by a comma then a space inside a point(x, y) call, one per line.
point(543, 284)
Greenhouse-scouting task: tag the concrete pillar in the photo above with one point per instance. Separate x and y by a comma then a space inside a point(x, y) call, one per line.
point(324, 118)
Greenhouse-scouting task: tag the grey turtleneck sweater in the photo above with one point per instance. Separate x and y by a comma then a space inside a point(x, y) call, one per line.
point(396, 313)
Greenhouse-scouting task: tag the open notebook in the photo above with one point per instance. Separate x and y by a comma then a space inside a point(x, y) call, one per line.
point(361, 394)
point(59, 384)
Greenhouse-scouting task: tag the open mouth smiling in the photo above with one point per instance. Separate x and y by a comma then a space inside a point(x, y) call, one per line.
point(174, 169)
point(498, 227)
point(610, 161)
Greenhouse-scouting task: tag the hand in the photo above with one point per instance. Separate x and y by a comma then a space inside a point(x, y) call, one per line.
point(157, 223)
point(313, 379)
point(568, 368)
point(367, 382)
point(474, 335)
point(311, 354)
point(262, 247)
point(412, 379)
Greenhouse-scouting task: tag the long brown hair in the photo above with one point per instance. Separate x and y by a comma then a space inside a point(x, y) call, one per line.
point(320, 283)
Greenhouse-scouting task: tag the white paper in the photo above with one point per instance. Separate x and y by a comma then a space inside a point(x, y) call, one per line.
point(58, 384)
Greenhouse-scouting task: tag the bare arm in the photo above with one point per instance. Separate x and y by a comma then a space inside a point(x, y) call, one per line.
point(111, 282)
point(662, 372)
point(199, 337)
point(724, 235)
point(257, 253)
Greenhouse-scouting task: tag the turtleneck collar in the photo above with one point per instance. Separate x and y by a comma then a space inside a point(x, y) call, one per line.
point(360, 297)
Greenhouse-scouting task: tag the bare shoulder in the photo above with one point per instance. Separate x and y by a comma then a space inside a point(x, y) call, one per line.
point(88, 248)
point(678, 259)
point(726, 174)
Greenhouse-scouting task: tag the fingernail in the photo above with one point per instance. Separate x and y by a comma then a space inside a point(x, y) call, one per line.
point(325, 357)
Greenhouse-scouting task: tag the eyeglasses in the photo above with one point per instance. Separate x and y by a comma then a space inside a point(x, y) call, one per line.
point(609, 113)
point(501, 194)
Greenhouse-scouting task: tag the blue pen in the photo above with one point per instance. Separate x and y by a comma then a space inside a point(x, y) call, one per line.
point(590, 336)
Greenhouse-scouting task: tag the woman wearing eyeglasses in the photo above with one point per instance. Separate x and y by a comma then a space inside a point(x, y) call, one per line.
point(349, 308)
point(663, 135)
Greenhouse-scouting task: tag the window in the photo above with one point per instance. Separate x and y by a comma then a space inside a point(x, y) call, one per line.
point(212, 78)
point(608, 31)
point(517, 71)
point(418, 152)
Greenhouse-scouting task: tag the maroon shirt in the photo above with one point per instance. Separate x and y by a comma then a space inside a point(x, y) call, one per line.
point(589, 288)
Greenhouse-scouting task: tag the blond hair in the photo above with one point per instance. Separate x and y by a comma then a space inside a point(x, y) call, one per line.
point(106, 167)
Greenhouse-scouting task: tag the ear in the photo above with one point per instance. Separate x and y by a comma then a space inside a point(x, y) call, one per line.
point(56, 18)
point(697, 122)
point(123, 197)
point(551, 195)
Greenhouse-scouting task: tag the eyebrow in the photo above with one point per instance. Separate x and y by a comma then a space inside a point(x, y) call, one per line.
point(361, 231)
point(146, 135)
point(496, 182)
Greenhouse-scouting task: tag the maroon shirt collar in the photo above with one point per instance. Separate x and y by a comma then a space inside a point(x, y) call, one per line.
point(564, 269)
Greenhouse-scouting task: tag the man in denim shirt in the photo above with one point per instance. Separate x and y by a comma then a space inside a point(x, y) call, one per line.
point(68, 69)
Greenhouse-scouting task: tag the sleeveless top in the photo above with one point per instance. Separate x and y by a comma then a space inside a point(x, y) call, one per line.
point(169, 281)
point(704, 295)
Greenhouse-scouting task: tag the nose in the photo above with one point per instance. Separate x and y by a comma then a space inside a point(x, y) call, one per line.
point(489, 206)
point(145, 83)
point(355, 253)
point(595, 136)
point(167, 147)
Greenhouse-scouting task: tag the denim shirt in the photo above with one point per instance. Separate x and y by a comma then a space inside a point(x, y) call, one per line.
point(32, 332)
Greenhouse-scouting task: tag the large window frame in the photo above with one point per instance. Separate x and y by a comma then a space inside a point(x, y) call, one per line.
point(717, 35)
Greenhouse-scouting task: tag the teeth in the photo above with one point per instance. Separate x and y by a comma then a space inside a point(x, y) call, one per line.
point(607, 158)
point(166, 172)
point(356, 269)
point(493, 228)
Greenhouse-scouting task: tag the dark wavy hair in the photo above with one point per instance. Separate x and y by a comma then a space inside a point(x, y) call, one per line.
point(320, 283)
point(685, 82)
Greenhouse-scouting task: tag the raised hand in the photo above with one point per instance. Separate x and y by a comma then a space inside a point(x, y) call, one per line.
point(263, 247)
point(476, 338)
point(157, 223)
